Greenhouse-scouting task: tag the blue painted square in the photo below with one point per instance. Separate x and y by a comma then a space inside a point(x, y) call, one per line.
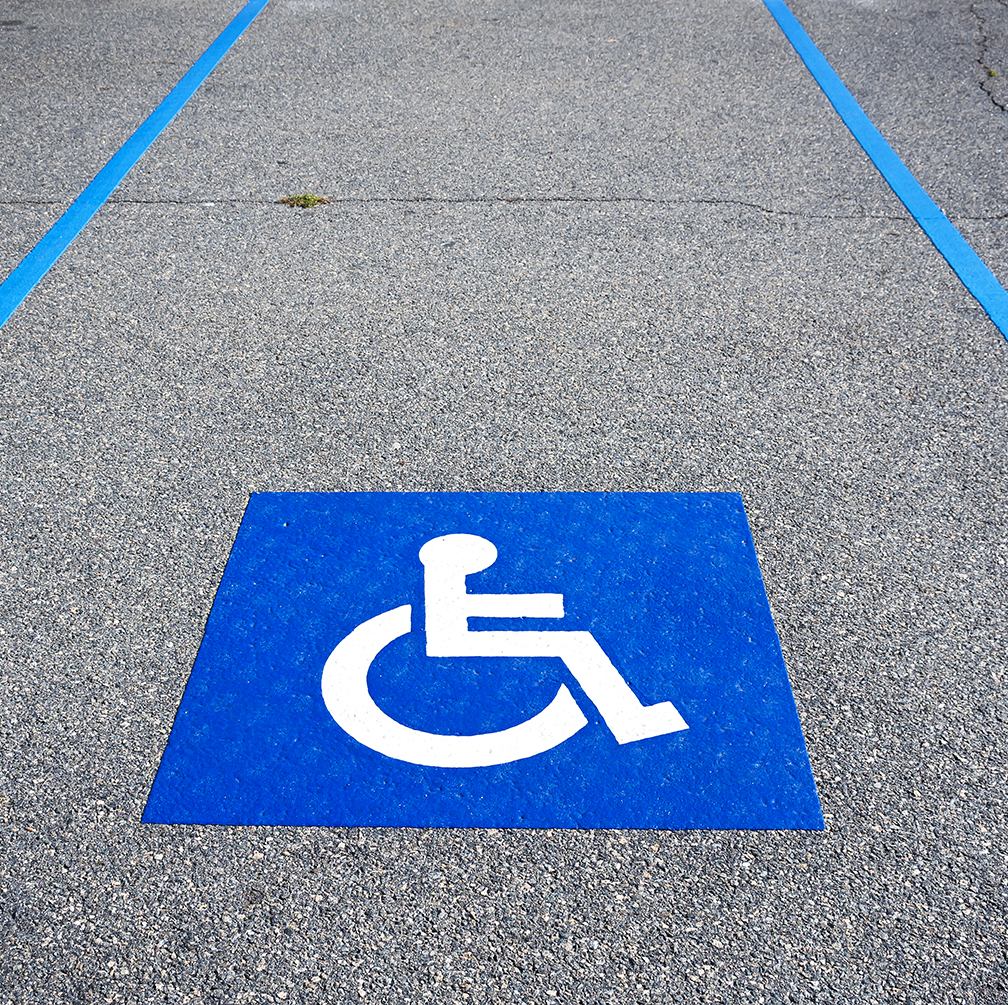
point(667, 585)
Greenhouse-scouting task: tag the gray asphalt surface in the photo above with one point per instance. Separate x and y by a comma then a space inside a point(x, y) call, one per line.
point(572, 247)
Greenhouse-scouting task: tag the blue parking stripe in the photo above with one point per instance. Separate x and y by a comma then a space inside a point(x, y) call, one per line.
point(44, 255)
point(965, 262)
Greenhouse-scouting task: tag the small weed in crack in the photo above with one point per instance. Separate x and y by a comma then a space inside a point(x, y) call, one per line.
point(306, 200)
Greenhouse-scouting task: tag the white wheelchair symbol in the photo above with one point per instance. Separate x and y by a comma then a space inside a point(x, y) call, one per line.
point(447, 561)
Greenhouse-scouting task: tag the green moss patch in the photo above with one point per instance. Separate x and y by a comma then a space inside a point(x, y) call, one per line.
point(306, 200)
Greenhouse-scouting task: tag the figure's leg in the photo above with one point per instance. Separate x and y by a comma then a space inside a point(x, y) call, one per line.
point(623, 713)
point(625, 716)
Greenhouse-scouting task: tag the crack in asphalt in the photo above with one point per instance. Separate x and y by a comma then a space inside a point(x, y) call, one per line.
point(540, 200)
point(990, 72)
point(494, 200)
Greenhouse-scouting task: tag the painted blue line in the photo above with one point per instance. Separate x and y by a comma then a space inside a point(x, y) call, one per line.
point(965, 262)
point(44, 255)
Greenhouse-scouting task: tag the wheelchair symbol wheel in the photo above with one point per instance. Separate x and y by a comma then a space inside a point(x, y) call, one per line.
point(447, 561)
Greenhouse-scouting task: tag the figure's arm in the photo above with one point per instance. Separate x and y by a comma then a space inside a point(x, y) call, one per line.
point(513, 605)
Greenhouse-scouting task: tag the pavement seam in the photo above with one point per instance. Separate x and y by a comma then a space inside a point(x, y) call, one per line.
point(496, 200)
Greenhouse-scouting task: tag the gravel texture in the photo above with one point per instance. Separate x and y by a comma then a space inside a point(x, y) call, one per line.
point(536, 274)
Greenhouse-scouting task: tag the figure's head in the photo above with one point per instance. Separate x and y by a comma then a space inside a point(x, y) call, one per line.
point(458, 553)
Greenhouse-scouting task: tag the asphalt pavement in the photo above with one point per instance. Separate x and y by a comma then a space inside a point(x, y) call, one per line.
point(571, 247)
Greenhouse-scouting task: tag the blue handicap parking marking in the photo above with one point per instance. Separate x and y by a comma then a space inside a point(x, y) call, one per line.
point(493, 660)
